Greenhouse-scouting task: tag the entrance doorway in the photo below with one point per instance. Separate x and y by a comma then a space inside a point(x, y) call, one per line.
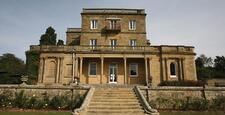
point(113, 73)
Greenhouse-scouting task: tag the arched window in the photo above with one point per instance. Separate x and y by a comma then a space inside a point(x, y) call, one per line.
point(52, 69)
point(173, 70)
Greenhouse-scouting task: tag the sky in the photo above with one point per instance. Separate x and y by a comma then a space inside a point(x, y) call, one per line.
point(198, 23)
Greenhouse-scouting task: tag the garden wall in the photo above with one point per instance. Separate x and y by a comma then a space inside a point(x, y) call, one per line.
point(183, 92)
point(40, 91)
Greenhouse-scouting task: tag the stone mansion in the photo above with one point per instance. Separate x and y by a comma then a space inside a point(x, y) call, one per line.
point(111, 47)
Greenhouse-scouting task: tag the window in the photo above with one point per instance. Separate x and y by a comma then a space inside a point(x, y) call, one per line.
point(172, 70)
point(113, 43)
point(132, 43)
point(92, 68)
point(94, 24)
point(93, 43)
point(113, 24)
point(133, 69)
point(132, 25)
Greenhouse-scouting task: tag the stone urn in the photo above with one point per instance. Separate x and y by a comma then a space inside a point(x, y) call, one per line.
point(24, 79)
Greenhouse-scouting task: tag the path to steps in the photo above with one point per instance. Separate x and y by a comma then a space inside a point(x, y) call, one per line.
point(114, 101)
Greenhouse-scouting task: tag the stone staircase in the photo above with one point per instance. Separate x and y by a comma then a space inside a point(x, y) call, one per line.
point(114, 101)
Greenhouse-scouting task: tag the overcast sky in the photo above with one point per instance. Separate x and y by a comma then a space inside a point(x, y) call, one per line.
point(199, 23)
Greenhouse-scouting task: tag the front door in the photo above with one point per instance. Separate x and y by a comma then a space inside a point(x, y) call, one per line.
point(113, 73)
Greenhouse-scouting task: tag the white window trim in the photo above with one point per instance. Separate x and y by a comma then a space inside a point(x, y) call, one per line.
point(132, 25)
point(89, 69)
point(93, 25)
point(136, 69)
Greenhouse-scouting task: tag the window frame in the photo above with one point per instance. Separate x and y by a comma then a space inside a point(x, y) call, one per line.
point(132, 25)
point(89, 69)
point(175, 70)
point(93, 24)
point(136, 66)
point(93, 46)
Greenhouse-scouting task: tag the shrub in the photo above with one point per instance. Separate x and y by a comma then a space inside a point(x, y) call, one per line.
point(6, 99)
point(20, 100)
point(182, 83)
point(218, 103)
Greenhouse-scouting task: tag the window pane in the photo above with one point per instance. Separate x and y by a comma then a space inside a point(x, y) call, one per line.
point(133, 69)
point(92, 69)
point(172, 69)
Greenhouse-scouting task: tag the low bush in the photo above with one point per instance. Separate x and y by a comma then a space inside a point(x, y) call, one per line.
point(58, 102)
point(182, 83)
point(189, 103)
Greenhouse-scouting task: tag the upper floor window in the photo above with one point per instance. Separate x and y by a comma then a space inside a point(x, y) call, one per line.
point(172, 69)
point(132, 25)
point(133, 69)
point(94, 24)
point(92, 69)
point(133, 42)
point(113, 24)
point(93, 43)
point(113, 43)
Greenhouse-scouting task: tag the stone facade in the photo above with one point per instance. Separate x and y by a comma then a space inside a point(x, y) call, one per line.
point(112, 44)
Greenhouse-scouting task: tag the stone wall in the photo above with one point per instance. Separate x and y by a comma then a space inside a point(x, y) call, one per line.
point(40, 91)
point(184, 92)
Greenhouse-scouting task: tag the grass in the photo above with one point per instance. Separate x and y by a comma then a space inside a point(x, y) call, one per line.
point(36, 113)
point(192, 113)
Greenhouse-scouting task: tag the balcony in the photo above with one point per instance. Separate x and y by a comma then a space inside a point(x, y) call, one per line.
point(112, 28)
point(114, 49)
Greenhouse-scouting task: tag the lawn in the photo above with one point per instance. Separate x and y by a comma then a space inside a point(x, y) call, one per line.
point(192, 113)
point(35, 113)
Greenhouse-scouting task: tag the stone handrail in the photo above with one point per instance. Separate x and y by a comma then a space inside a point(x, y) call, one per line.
point(85, 102)
point(144, 102)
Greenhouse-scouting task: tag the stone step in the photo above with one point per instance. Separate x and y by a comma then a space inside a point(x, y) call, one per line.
point(114, 100)
point(108, 93)
point(137, 113)
point(113, 97)
point(115, 111)
point(115, 103)
point(115, 107)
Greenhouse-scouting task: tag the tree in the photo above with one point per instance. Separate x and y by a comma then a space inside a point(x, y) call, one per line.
point(12, 66)
point(49, 38)
point(60, 42)
point(219, 63)
point(203, 61)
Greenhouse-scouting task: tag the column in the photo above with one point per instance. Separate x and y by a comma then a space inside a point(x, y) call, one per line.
point(61, 70)
point(41, 70)
point(57, 70)
point(125, 71)
point(72, 79)
point(76, 67)
point(149, 62)
point(102, 67)
point(146, 70)
point(166, 69)
point(180, 70)
point(183, 68)
point(81, 66)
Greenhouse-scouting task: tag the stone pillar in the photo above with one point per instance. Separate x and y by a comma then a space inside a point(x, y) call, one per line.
point(61, 70)
point(81, 66)
point(149, 62)
point(72, 79)
point(146, 70)
point(102, 67)
point(183, 68)
point(57, 70)
point(76, 67)
point(125, 71)
point(166, 69)
point(180, 69)
point(41, 70)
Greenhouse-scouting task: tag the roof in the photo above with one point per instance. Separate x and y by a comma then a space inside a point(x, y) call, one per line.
point(113, 11)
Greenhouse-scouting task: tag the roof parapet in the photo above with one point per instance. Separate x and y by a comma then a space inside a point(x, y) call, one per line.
point(112, 11)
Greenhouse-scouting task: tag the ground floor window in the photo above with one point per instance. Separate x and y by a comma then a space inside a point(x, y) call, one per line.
point(133, 69)
point(92, 69)
point(173, 70)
